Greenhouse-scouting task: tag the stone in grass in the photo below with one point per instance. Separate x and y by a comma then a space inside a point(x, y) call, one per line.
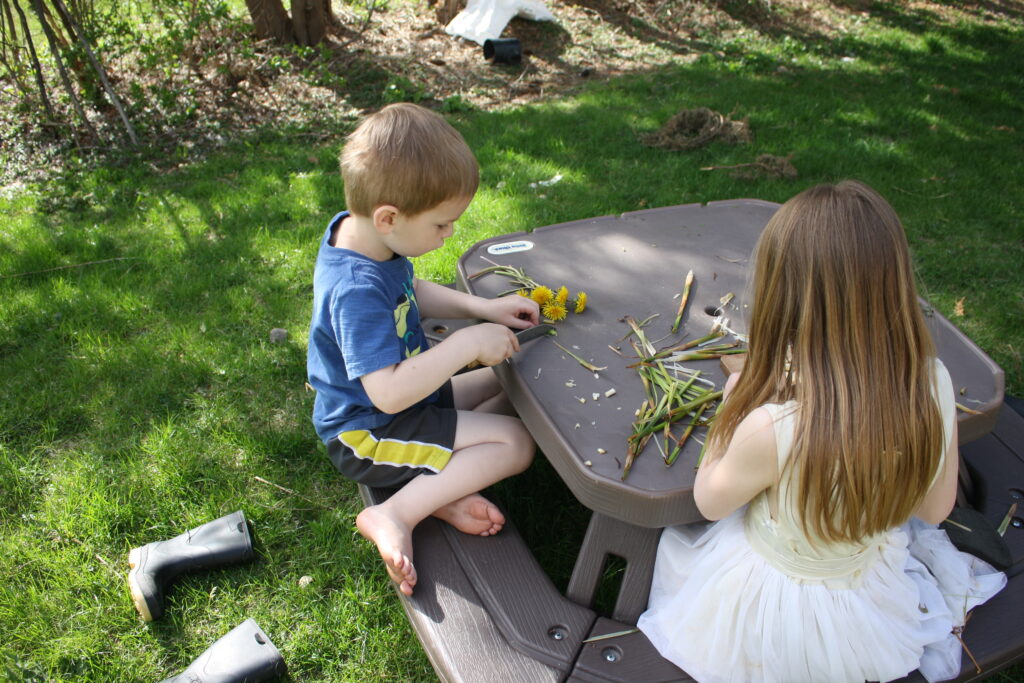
point(278, 335)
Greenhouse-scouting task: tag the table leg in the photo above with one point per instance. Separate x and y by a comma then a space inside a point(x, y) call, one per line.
point(636, 545)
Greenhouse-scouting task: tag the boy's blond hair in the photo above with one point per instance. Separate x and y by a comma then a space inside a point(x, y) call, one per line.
point(408, 157)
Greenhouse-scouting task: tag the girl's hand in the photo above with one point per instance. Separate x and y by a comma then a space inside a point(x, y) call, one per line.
point(518, 312)
point(729, 384)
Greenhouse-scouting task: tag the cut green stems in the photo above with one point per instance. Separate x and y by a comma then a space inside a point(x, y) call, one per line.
point(588, 365)
point(681, 347)
point(677, 413)
point(517, 275)
point(686, 435)
point(682, 301)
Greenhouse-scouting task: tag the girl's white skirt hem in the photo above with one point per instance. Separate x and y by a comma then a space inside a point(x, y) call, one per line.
point(722, 613)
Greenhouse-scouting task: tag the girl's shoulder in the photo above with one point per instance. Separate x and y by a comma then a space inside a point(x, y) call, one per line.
point(781, 419)
point(756, 436)
point(745, 469)
point(781, 416)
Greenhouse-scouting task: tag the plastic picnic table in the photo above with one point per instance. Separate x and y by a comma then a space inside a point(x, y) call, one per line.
point(489, 595)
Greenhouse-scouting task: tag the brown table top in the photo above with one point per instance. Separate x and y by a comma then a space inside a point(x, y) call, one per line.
point(635, 265)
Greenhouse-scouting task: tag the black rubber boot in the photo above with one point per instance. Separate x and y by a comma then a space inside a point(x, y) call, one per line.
point(153, 566)
point(244, 655)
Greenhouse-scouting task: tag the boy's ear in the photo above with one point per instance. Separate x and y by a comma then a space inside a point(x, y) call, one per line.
point(384, 218)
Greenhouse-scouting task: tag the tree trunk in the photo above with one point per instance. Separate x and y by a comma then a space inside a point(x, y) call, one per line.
point(447, 9)
point(269, 20)
point(74, 30)
point(331, 19)
point(55, 50)
point(36, 66)
point(310, 19)
point(9, 41)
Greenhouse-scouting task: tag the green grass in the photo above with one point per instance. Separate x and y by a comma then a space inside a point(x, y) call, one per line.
point(142, 396)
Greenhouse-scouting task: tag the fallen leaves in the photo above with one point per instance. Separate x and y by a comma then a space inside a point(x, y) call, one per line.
point(958, 307)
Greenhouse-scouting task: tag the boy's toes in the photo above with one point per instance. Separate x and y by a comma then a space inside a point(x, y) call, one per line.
point(473, 514)
point(495, 515)
point(402, 572)
point(490, 515)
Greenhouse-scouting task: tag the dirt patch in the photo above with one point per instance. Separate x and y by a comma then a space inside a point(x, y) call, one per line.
point(599, 39)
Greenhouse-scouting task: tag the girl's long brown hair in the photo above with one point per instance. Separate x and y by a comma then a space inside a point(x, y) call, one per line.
point(837, 326)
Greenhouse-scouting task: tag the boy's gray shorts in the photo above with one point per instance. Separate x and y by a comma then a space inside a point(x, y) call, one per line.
point(418, 440)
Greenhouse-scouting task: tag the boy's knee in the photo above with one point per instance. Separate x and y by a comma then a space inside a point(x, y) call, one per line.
point(523, 444)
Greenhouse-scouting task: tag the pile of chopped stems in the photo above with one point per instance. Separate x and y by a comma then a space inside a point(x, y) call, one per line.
point(673, 394)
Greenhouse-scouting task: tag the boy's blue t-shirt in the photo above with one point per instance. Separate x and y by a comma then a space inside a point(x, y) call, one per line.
point(365, 318)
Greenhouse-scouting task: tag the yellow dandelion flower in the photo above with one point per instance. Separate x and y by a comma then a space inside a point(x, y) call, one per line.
point(553, 311)
point(542, 295)
point(523, 293)
point(581, 302)
point(563, 295)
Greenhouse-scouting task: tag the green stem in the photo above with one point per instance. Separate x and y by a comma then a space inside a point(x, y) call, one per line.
point(587, 365)
point(686, 435)
point(681, 410)
point(683, 300)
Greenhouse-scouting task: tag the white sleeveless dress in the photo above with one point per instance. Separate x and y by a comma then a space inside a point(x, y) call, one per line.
point(749, 598)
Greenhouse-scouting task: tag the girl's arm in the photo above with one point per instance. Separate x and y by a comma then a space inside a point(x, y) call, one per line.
point(939, 500)
point(728, 481)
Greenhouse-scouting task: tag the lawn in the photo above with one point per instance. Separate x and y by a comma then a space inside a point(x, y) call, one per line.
point(141, 395)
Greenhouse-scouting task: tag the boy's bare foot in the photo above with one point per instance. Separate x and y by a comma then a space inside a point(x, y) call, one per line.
point(394, 543)
point(473, 514)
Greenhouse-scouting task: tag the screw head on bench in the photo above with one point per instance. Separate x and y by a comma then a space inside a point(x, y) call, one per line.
point(557, 633)
point(611, 654)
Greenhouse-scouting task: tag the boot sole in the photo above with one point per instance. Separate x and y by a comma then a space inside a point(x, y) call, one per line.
point(138, 597)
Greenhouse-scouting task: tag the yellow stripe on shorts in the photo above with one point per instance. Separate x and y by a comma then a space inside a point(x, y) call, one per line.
point(397, 453)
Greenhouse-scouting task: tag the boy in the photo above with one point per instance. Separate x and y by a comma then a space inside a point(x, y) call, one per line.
point(390, 408)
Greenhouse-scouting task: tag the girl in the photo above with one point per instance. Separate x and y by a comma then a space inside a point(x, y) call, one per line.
point(839, 430)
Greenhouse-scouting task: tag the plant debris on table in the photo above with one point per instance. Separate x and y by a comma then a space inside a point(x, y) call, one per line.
point(672, 394)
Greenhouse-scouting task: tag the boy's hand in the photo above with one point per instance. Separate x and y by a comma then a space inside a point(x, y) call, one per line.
point(494, 343)
point(514, 311)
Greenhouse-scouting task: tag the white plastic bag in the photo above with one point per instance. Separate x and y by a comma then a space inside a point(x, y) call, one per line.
point(485, 19)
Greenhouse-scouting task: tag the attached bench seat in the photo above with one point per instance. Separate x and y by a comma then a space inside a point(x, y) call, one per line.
point(484, 610)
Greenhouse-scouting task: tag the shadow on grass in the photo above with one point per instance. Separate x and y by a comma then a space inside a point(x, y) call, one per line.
point(903, 119)
point(152, 380)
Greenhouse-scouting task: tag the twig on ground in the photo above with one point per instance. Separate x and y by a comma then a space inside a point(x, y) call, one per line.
point(915, 194)
point(290, 492)
point(73, 265)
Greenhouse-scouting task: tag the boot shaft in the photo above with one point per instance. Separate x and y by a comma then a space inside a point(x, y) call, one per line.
point(223, 541)
point(155, 565)
point(243, 655)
